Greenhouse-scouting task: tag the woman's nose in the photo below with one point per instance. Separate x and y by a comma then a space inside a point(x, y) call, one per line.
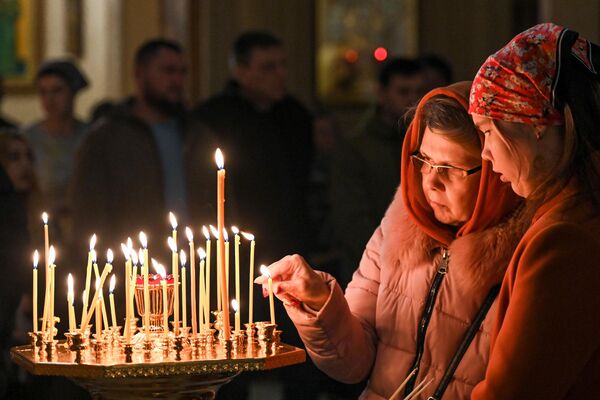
point(486, 154)
point(432, 180)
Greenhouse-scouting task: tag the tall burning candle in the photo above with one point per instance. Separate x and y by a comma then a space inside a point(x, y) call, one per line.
point(236, 232)
point(98, 310)
point(88, 274)
point(47, 271)
point(175, 269)
point(265, 271)
point(109, 260)
point(173, 222)
point(95, 299)
point(207, 282)
point(111, 296)
point(165, 306)
point(36, 260)
point(70, 301)
point(131, 298)
point(249, 236)
point(48, 294)
point(216, 235)
point(183, 260)
point(236, 310)
point(52, 260)
point(144, 242)
point(204, 320)
point(126, 249)
point(190, 237)
point(221, 228)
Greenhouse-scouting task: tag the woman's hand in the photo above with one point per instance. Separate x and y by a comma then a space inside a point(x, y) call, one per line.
point(294, 282)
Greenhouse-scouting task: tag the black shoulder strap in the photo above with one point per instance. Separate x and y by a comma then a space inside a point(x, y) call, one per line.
point(460, 352)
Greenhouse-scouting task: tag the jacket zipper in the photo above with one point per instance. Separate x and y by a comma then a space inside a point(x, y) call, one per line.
point(426, 317)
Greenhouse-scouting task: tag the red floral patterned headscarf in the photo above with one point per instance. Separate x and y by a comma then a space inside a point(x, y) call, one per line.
point(519, 83)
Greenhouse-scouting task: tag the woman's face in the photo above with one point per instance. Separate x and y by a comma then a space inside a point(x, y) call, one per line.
point(56, 96)
point(19, 165)
point(514, 160)
point(451, 198)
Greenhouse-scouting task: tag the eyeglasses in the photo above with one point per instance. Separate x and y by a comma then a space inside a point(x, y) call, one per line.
point(444, 171)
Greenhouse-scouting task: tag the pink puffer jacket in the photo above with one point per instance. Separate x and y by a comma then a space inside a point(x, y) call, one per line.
point(371, 331)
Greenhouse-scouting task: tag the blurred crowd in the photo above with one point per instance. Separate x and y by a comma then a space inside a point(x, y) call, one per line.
point(294, 179)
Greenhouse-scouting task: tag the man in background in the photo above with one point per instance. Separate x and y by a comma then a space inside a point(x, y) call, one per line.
point(265, 134)
point(140, 160)
point(366, 167)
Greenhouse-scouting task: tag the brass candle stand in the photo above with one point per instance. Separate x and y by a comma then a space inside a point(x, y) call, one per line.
point(156, 366)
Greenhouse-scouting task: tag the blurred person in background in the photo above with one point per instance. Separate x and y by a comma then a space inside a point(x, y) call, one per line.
point(365, 172)
point(55, 139)
point(436, 70)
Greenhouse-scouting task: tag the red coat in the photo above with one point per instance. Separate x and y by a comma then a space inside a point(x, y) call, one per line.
point(546, 342)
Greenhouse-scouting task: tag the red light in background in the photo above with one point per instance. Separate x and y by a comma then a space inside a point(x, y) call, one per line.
point(351, 56)
point(380, 54)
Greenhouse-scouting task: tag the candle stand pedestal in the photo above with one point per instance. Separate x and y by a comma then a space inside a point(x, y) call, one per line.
point(129, 371)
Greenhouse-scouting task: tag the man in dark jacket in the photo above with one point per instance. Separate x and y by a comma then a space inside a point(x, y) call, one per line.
point(265, 135)
point(266, 138)
point(142, 161)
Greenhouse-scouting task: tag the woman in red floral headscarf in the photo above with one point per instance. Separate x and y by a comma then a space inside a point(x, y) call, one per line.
point(537, 100)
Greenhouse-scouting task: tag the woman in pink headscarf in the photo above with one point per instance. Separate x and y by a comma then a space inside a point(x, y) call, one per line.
point(537, 100)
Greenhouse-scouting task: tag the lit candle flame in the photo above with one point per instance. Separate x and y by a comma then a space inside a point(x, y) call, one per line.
point(125, 251)
point(143, 240)
point(214, 231)
point(182, 258)
point(219, 159)
point(248, 236)
point(235, 230)
point(160, 270)
point(70, 285)
point(93, 242)
point(97, 285)
point(93, 253)
point(109, 256)
point(265, 271)
point(235, 305)
point(45, 218)
point(189, 234)
point(225, 235)
point(113, 282)
point(36, 259)
point(134, 257)
point(201, 253)
point(172, 244)
point(129, 244)
point(173, 220)
point(140, 256)
point(51, 255)
point(205, 232)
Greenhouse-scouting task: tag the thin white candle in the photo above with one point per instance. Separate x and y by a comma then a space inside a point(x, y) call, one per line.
point(207, 281)
point(190, 237)
point(204, 319)
point(249, 236)
point(236, 233)
point(215, 233)
point(175, 269)
point(183, 260)
point(52, 260)
point(111, 296)
point(265, 271)
point(70, 303)
point(47, 274)
point(88, 274)
point(236, 310)
point(144, 260)
point(36, 260)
